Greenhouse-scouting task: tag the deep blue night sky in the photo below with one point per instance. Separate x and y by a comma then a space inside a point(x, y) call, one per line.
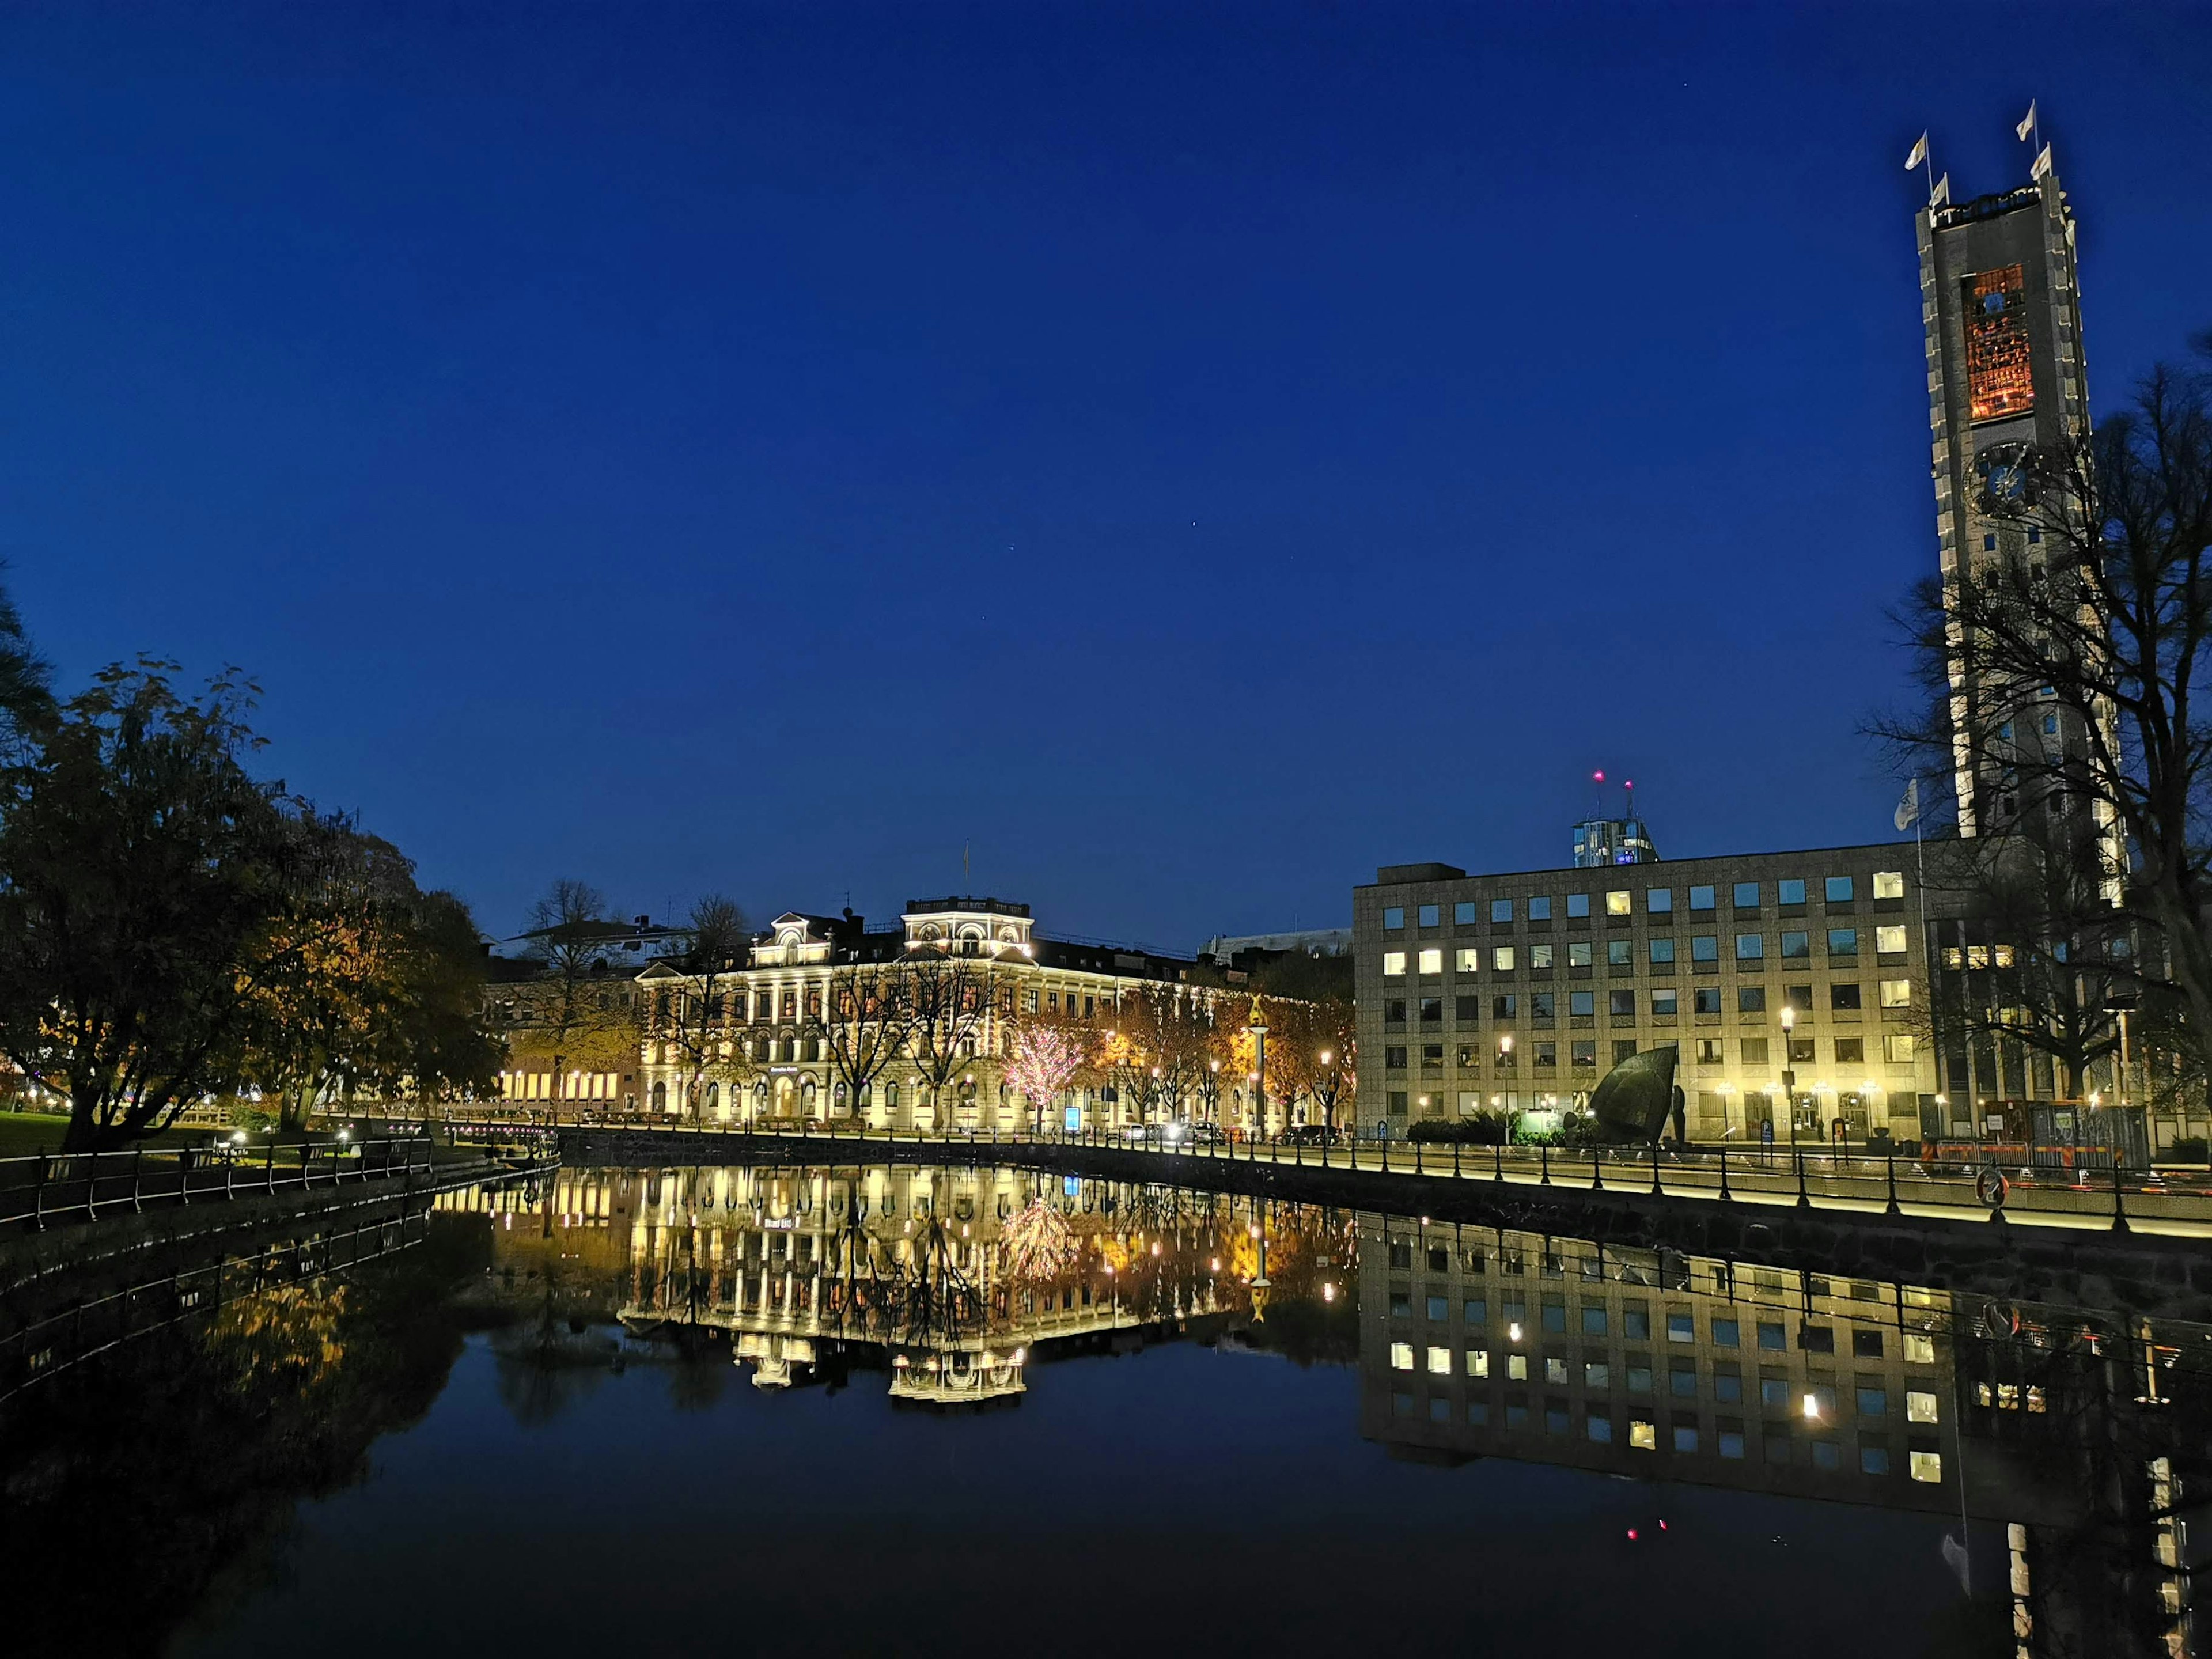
point(1193, 458)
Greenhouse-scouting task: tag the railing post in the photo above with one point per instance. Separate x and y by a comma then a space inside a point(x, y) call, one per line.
point(39, 1198)
point(2119, 1205)
point(1454, 1160)
point(1544, 1161)
point(1804, 1198)
point(138, 1171)
point(1726, 1196)
point(1417, 1158)
point(91, 1185)
point(1657, 1191)
point(1893, 1207)
point(1597, 1168)
point(1498, 1161)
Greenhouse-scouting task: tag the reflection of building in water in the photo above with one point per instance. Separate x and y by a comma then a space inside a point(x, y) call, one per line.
point(956, 1279)
point(1488, 1342)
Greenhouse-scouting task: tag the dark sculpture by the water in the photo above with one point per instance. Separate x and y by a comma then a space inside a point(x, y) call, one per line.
point(1632, 1101)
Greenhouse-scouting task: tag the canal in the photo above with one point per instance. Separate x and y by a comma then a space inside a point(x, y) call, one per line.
point(876, 1409)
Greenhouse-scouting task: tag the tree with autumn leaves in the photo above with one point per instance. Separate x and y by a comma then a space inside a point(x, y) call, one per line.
point(173, 926)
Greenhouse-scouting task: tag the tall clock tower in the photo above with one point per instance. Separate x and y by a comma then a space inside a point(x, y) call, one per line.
point(2001, 302)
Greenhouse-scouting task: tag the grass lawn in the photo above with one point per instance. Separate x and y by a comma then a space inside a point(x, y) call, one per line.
point(22, 1133)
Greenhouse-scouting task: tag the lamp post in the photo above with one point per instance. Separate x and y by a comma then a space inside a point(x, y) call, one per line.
point(1257, 1025)
point(1789, 1077)
point(1328, 1123)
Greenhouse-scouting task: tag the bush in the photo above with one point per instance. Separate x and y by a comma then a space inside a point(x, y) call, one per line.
point(2190, 1149)
point(251, 1119)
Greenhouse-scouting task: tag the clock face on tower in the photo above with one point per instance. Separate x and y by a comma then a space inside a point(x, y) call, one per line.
point(2006, 482)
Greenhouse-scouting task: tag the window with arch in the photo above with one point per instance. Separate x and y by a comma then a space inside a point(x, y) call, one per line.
point(890, 1096)
point(714, 1097)
point(660, 1096)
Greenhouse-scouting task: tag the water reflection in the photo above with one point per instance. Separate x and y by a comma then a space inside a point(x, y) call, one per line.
point(1493, 1367)
point(2081, 1434)
point(956, 1282)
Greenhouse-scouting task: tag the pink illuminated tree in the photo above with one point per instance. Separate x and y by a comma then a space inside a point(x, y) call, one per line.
point(1044, 1060)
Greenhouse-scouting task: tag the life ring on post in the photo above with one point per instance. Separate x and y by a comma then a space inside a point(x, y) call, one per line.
point(1990, 1186)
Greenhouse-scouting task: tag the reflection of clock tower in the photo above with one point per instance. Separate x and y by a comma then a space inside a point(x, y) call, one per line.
point(2002, 307)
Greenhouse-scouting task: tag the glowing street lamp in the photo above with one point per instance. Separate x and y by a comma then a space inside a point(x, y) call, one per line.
point(1257, 1025)
point(1789, 1077)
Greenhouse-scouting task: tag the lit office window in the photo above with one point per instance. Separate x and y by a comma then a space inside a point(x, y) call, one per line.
point(1394, 964)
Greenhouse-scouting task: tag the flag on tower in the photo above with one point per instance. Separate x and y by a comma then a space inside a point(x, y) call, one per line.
point(2027, 122)
point(1919, 153)
point(1908, 810)
point(1941, 196)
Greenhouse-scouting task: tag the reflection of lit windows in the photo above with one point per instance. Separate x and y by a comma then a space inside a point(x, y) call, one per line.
point(1402, 1356)
point(1919, 1405)
point(1919, 1348)
point(1926, 1465)
point(1642, 1434)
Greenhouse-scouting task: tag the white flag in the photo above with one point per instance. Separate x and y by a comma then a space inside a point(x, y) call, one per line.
point(1941, 196)
point(1919, 153)
point(2027, 122)
point(1908, 810)
point(2042, 164)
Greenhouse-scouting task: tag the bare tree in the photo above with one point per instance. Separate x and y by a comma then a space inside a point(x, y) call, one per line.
point(2063, 667)
point(864, 1025)
point(2044, 960)
point(571, 1011)
point(695, 1019)
point(946, 1000)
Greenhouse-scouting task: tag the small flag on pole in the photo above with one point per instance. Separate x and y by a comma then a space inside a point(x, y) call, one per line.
point(2042, 166)
point(2027, 122)
point(1919, 153)
point(1941, 196)
point(1908, 810)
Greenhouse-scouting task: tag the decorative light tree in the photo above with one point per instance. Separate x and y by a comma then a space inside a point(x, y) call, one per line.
point(1045, 1058)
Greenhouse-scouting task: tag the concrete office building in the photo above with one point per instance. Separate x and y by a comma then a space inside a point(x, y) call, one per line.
point(1519, 992)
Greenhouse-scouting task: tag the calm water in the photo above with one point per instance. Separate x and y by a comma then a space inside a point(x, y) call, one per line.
point(902, 1411)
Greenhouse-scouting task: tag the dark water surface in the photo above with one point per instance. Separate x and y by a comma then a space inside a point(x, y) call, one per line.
point(667, 1411)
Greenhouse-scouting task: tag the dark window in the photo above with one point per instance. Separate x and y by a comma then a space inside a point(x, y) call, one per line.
point(1707, 999)
point(1540, 908)
point(1583, 1003)
point(1394, 915)
point(1751, 998)
point(1839, 890)
point(1432, 1010)
point(1843, 996)
point(1394, 1059)
point(1621, 1004)
point(1502, 1007)
point(1467, 1011)
point(1623, 1049)
point(1429, 916)
point(1394, 1010)
point(1463, 911)
point(1501, 910)
point(1541, 1004)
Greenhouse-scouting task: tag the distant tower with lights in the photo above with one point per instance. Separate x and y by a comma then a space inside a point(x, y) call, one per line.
point(1600, 841)
point(2001, 305)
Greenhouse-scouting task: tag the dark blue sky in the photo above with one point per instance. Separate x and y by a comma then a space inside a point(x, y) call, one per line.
point(1194, 454)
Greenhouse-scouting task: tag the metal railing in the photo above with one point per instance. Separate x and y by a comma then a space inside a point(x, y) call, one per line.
point(1828, 1179)
point(50, 1188)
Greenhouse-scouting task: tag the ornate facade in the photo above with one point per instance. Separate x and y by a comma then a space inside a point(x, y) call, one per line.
point(773, 1038)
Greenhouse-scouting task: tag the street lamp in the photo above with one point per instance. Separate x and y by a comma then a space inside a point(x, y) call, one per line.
point(1257, 1025)
point(1789, 1077)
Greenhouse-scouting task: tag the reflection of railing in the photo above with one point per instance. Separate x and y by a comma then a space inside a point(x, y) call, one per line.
point(1930, 1188)
point(52, 1188)
point(33, 1352)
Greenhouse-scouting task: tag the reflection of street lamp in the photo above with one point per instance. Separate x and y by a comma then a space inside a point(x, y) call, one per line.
point(1789, 1077)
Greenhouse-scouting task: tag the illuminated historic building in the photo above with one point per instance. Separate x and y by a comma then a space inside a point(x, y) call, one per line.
point(1517, 993)
point(980, 958)
point(2001, 303)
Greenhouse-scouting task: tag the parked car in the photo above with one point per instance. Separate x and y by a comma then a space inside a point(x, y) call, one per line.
point(1309, 1134)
